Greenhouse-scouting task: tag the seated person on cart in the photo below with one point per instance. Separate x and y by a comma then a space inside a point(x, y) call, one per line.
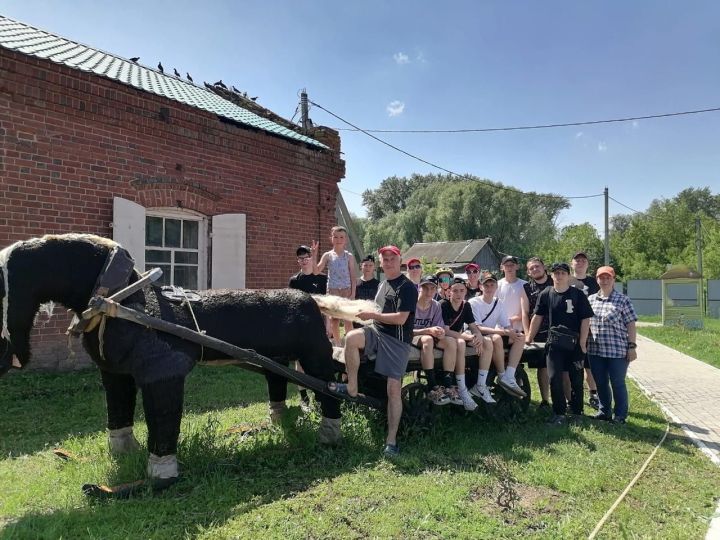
point(490, 316)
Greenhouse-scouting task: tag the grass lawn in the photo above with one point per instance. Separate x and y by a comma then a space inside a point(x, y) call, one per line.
point(701, 344)
point(469, 478)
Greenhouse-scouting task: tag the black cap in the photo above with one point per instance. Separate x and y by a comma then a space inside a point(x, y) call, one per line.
point(303, 250)
point(428, 279)
point(458, 280)
point(487, 276)
point(509, 258)
point(370, 258)
point(580, 254)
point(560, 266)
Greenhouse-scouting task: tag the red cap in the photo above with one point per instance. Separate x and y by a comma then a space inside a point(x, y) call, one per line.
point(391, 249)
point(414, 259)
point(470, 266)
point(605, 270)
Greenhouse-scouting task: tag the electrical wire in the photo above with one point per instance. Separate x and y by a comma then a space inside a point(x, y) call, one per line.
point(625, 205)
point(539, 126)
point(466, 176)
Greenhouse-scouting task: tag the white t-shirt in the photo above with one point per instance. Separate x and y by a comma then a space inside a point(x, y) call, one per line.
point(497, 319)
point(509, 295)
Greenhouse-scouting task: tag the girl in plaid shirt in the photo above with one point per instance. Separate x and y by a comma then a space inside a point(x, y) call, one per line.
point(611, 345)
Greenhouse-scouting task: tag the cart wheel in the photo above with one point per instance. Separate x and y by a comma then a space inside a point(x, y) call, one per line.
point(417, 415)
point(509, 407)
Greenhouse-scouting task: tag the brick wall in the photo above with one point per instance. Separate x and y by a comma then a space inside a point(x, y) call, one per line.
point(71, 141)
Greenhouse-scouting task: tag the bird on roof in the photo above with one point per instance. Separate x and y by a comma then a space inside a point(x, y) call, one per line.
point(160, 68)
point(221, 84)
point(254, 98)
point(208, 86)
point(189, 78)
point(244, 94)
point(235, 90)
point(135, 59)
point(177, 73)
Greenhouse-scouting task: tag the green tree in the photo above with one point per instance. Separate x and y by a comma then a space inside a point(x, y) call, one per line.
point(570, 240)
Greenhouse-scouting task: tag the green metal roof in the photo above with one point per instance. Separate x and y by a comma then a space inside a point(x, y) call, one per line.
point(31, 41)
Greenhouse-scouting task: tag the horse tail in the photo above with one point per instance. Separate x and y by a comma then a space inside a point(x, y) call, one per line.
point(343, 308)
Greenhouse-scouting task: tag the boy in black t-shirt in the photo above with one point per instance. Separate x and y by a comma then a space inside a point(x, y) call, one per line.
point(305, 280)
point(569, 307)
point(367, 284)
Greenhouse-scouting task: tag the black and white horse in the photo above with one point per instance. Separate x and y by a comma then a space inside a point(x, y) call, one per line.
point(65, 269)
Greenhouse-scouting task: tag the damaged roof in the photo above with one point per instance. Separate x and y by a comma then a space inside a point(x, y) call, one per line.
point(449, 253)
point(32, 41)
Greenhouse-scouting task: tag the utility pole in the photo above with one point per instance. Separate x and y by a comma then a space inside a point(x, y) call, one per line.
point(305, 119)
point(698, 247)
point(607, 227)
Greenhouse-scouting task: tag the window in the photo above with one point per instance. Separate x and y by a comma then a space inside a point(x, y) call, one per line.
point(174, 243)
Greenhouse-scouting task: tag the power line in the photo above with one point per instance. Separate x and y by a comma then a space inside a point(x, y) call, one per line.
point(625, 205)
point(539, 126)
point(351, 192)
point(468, 177)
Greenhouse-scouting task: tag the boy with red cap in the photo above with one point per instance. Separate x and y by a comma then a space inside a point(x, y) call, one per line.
point(473, 280)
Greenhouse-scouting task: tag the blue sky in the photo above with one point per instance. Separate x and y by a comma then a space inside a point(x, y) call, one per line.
point(467, 64)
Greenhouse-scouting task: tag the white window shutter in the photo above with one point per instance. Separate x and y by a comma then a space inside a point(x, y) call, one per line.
point(228, 251)
point(129, 229)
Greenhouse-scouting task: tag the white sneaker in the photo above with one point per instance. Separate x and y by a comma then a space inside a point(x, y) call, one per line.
point(483, 392)
point(468, 401)
point(511, 386)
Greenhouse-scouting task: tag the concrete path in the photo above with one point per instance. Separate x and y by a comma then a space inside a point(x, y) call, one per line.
point(688, 390)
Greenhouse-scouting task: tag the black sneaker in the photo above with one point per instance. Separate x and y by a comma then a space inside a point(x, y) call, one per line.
point(557, 420)
point(618, 421)
point(601, 416)
point(594, 401)
point(544, 406)
point(391, 450)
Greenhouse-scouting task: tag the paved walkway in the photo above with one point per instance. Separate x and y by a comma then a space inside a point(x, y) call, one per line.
point(688, 390)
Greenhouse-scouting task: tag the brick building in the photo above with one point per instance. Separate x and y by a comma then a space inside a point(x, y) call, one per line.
point(200, 181)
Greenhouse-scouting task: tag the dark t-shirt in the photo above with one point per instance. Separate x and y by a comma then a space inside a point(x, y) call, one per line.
point(456, 319)
point(590, 285)
point(310, 283)
point(569, 308)
point(472, 293)
point(393, 296)
point(366, 290)
point(533, 290)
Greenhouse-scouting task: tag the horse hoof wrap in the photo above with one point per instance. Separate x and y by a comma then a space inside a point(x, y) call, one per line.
point(329, 432)
point(122, 441)
point(162, 467)
point(277, 410)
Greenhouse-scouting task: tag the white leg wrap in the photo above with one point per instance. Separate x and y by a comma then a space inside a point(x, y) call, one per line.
point(122, 441)
point(162, 467)
point(329, 432)
point(277, 409)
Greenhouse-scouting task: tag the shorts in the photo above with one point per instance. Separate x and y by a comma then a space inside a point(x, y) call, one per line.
point(390, 354)
point(416, 341)
point(343, 293)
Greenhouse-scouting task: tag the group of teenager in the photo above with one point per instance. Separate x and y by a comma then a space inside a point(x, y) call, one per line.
point(585, 324)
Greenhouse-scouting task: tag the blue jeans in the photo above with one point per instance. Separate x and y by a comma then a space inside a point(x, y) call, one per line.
point(611, 370)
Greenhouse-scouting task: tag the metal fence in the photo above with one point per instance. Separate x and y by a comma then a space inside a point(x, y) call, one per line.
point(646, 296)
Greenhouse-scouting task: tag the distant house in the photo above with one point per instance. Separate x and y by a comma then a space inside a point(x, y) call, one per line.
point(455, 255)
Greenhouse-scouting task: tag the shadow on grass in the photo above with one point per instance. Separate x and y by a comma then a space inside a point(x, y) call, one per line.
point(40, 409)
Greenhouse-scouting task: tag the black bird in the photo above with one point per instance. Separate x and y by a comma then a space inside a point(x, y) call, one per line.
point(208, 86)
point(160, 67)
point(189, 78)
point(235, 90)
point(244, 94)
point(254, 98)
point(135, 59)
point(177, 73)
point(221, 84)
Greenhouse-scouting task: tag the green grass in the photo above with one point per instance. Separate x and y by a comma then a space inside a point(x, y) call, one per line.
point(701, 344)
point(467, 478)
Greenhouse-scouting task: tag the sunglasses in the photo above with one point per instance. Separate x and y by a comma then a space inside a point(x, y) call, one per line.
point(473, 271)
point(445, 278)
point(414, 267)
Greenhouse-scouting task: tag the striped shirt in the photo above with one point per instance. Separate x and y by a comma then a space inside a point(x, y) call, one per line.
point(608, 327)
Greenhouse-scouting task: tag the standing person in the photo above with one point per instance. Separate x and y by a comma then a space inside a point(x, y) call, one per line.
point(612, 345)
point(341, 275)
point(493, 322)
point(473, 282)
point(539, 280)
point(367, 286)
point(387, 340)
point(589, 286)
point(510, 291)
point(305, 279)
point(414, 271)
point(569, 313)
point(444, 277)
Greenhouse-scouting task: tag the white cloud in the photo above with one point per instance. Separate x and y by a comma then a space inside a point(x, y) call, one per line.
point(602, 147)
point(401, 58)
point(578, 134)
point(395, 108)
point(420, 57)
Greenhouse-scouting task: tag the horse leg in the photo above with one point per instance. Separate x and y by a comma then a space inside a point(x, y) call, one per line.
point(277, 392)
point(329, 432)
point(163, 406)
point(120, 393)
